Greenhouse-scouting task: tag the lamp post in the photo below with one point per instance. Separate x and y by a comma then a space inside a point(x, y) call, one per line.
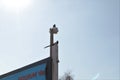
point(54, 52)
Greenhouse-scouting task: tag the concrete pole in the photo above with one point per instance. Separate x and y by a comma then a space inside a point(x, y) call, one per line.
point(54, 53)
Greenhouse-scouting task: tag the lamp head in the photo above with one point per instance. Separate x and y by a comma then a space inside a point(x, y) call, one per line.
point(54, 30)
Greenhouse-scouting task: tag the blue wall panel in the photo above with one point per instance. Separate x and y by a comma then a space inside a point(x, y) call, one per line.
point(37, 71)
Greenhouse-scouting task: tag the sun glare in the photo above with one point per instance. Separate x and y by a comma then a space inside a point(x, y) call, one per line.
point(16, 4)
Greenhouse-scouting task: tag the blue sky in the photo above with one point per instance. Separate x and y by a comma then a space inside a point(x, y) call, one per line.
point(89, 36)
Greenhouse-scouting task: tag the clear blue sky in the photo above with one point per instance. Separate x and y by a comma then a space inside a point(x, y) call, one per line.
point(89, 36)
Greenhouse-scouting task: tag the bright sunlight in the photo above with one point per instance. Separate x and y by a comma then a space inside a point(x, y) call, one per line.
point(15, 5)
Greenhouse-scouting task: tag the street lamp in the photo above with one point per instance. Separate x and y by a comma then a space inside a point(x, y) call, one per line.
point(54, 52)
point(53, 30)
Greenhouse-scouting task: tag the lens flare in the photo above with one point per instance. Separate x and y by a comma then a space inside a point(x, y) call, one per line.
point(96, 76)
point(14, 5)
